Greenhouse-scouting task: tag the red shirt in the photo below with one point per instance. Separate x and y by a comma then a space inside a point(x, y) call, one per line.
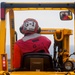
point(27, 46)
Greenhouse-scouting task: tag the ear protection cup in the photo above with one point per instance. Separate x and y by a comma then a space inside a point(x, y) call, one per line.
point(21, 29)
point(39, 30)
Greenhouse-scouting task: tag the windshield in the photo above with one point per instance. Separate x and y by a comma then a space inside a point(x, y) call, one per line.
point(46, 19)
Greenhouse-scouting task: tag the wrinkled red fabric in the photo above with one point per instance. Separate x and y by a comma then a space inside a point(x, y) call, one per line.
point(32, 45)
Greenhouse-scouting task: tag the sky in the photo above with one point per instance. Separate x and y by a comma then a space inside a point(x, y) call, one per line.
point(48, 19)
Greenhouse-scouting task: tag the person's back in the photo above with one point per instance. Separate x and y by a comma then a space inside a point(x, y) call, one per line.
point(31, 43)
point(34, 43)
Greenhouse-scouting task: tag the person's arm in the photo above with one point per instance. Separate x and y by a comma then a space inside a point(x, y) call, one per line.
point(16, 56)
point(47, 43)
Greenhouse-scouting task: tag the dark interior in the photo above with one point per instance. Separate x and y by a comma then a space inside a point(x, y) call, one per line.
point(37, 62)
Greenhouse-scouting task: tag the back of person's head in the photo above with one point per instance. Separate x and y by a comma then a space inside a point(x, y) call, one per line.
point(30, 26)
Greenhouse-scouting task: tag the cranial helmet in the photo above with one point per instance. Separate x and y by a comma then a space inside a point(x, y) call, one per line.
point(30, 26)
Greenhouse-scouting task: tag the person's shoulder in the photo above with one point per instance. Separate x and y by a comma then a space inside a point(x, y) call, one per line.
point(43, 36)
point(18, 41)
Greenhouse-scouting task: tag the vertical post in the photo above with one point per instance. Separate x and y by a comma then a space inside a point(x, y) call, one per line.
point(2, 29)
point(12, 34)
point(66, 47)
point(2, 32)
point(2, 36)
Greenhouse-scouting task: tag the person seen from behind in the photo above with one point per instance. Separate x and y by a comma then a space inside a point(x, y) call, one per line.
point(32, 41)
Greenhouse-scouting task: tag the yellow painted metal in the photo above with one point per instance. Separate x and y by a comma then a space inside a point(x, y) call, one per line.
point(53, 30)
point(41, 73)
point(2, 36)
point(66, 46)
point(12, 34)
point(4, 73)
point(23, 9)
point(62, 35)
point(65, 37)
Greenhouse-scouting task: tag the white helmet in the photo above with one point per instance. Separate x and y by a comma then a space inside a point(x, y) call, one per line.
point(29, 26)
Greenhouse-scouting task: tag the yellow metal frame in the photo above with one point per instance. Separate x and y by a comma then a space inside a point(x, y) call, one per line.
point(21, 9)
point(44, 31)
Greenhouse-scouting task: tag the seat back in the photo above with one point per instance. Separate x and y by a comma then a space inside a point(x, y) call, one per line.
point(37, 62)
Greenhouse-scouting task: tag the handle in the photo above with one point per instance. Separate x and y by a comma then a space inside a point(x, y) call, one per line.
point(55, 36)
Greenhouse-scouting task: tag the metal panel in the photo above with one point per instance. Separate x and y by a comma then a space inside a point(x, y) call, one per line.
point(38, 5)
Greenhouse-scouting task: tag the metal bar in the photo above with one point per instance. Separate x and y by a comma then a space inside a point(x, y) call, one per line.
point(2, 36)
point(12, 36)
point(38, 5)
